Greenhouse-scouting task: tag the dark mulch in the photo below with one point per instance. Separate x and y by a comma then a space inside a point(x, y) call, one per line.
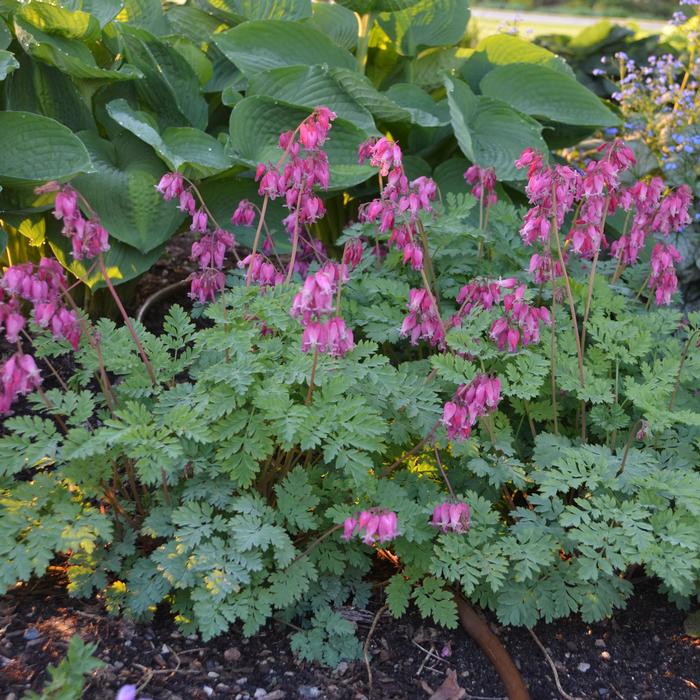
point(639, 654)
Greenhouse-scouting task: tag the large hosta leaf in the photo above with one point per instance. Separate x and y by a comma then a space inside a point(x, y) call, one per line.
point(543, 92)
point(147, 14)
point(261, 45)
point(337, 22)
point(241, 10)
point(361, 89)
point(169, 87)
point(104, 11)
point(364, 6)
point(503, 49)
point(426, 23)
point(311, 86)
point(59, 37)
point(419, 104)
point(35, 149)
point(39, 88)
point(122, 192)
point(490, 132)
point(177, 146)
point(256, 123)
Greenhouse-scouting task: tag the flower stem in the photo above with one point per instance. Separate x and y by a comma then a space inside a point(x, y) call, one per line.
point(256, 241)
point(310, 392)
point(444, 475)
point(295, 240)
point(127, 320)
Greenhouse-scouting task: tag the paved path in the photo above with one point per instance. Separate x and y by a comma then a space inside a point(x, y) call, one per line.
point(554, 18)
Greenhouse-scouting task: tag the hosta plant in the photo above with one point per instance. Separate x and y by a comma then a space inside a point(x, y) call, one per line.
point(109, 100)
point(496, 402)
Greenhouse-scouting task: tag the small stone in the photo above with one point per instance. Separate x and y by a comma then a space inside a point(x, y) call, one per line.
point(10, 696)
point(165, 649)
point(232, 654)
point(275, 695)
point(341, 668)
point(208, 690)
point(222, 687)
point(289, 674)
point(309, 692)
point(583, 667)
point(260, 693)
point(605, 655)
point(600, 643)
point(212, 674)
point(603, 692)
point(118, 665)
point(31, 633)
point(242, 681)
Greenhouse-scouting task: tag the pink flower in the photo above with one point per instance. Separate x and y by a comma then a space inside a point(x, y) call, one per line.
point(171, 185)
point(187, 203)
point(206, 285)
point(663, 273)
point(484, 183)
point(66, 204)
point(339, 338)
point(200, 221)
point(244, 214)
point(451, 517)
point(372, 526)
point(530, 159)
point(471, 401)
point(352, 253)
point(18, 375)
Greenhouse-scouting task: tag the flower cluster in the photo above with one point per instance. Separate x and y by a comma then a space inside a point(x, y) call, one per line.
point(471, 401)
point(594, 194)
point(372, 526)
point(18, 375)
point(209, 251)
point(480, 294)
point(483, 181)
point(313, 306)
point(662, 280)
point(520, 323)
point(87, 236)
point(400, 202)
point(451, 517)
point(423, 321)
point(42, 288)
point(302, 167)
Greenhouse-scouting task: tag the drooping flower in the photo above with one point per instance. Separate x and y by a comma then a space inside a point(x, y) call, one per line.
point(483, 181)
point(451, 517)
point(244, 214)
point(19, 375)
point(372, 526)
point(423, 320)
point(663, 280)
point(471, 401)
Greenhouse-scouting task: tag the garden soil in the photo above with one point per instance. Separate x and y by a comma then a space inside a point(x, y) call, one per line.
point(641, 653)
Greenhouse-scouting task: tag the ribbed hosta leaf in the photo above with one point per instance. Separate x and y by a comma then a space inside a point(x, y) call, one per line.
point(426, 23)
point(490, 132)
point(503, 49)
point(35, 149)
point(177, 146)
point(169, 86)
point(362, 90)
point(122, 192)
point(337, 22)
point(241, 10)
point(60, 38)
point(261, 45)
point(364, 6)
point(423, 109)
point(543, 92)
point(42, 89)
point(310, 86)
point(256, 123)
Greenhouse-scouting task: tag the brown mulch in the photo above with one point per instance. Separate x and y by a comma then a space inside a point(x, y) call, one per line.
point(639, 654)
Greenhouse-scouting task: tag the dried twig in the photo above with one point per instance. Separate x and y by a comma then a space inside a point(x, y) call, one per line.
point(430, 653)
point(561, 690)
point(365, 649)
